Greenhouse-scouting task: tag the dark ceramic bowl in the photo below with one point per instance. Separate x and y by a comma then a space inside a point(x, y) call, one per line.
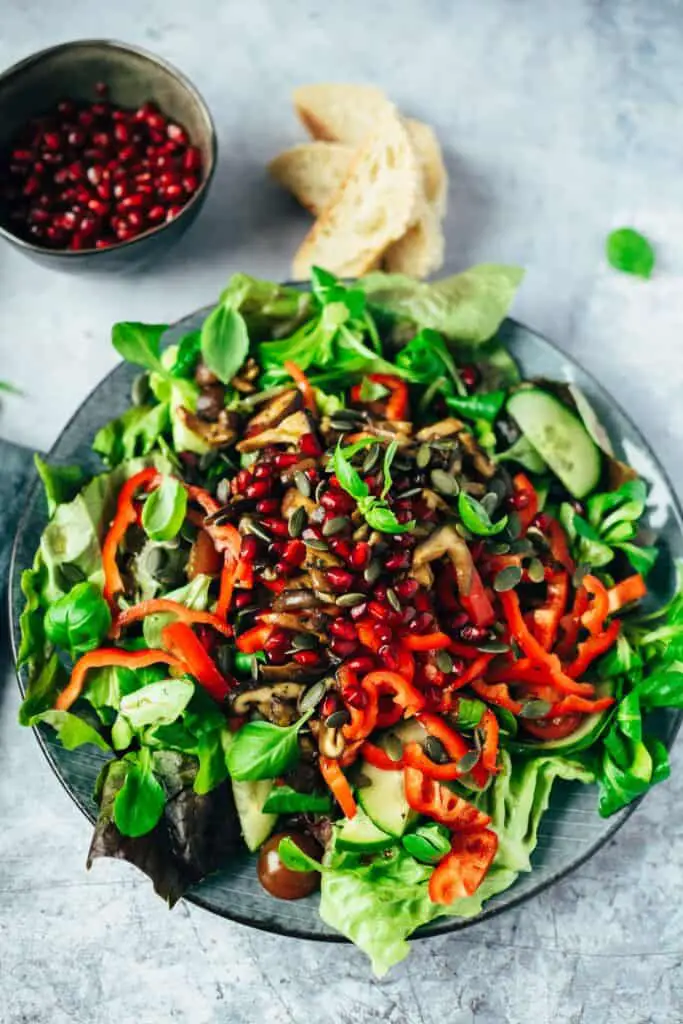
point(71, 71)
point(570, 831)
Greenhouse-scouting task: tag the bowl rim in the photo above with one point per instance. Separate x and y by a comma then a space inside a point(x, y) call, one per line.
point(194, 894)
point(114, 44)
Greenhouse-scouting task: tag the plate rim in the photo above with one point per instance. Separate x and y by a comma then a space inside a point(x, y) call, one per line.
point(431, 930)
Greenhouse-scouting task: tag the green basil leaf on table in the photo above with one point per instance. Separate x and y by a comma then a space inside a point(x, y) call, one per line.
point(629, 251)
point(61, 483)
point(428, 844)
point(294, 858)
point(476, 519)
point(285, 800)
point(79, 621)
point(164, 511)
point(261, 750)
point(139, 343)
point(140, 802)
point(224, 342)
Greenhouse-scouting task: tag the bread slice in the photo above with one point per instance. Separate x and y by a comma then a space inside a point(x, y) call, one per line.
point(313, 172)
point(338, 112)
point(420, 252)
point(374, 206)
point(433, 168)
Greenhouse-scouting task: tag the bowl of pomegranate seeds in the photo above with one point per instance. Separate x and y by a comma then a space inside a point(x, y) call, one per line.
point(106, 155)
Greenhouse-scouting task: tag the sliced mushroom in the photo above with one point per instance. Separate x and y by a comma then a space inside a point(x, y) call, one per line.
point(434, 501)
point(218, 434)
point(475, 488)
point(274, 412)
point(444, 428)
point(297, 599)
point(245, 701)
point(446, 541)
point(289, 672)
point(424, 575)
point(480, 460)
point(289, 431)
point(245, 380)
point(330, 741)
point(294, 499)
point(298, 623)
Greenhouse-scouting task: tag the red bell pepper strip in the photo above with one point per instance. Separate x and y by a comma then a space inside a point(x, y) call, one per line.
point(546, 619)
point(406, 664)
point(404, 693)
point(415, 757)
point(388, 714)
point(557, 540)
point(476, 670)
point(363, 719)
point(629, 590)
point(497, 694)
point(165, 606)
point(571, 625)
point(573, 704)
point(124, 517)
point(452, 742)
point(111, 656)
point(427, 642)
point(462, 871)
point(303, 384)
point(338, 784)
point(594, 618)
point(180, 641)
point(489, 752)
point(527, 498)
point(367, 635)
point(426, 796)
point(531, 647)
point(476, 602)
point(379, 758)
point(254, 639)
point(396, 407)
point(592, 648)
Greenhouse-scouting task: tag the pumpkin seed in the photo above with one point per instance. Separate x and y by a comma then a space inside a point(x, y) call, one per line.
point(140, 390)
point(350, 415)
point(467, 762)
point(444, 483)
point(297, 521)
point(254, 669)
point(443, 661)
point(71, 574)
point(351, 600)
point(499, 548)
point(372, 572)
point(392, 598)
point(224, 659)
point(412, 493)
point(312, 696)
point(320, 490)
point(493, 647)
point(316, 543)
point(304, 641)
point(514, 526)
point(423, 457)
point(435, 750)
point(537, 538)
point(223, 491)
point(341, 425)
point(302, 483)
point(535, 709)
point(402, 463)
point(523, 546)
point(335, 525)
point(324, 597)
point(490, 502)
point(337, 719)
point(207, 460)
point(536, 570)
point(507, 579)
point(259, 531)
point(371, 459)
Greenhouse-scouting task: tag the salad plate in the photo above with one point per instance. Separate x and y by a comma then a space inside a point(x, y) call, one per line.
point(569, 832)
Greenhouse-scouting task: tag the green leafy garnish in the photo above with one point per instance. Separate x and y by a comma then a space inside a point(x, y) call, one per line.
point(470, 711)
point(285, 800)
point(629, 251)
point(478, 407)
point(72, 730)
point(187, 356)
point(140, 802)
point(165, 509)
point(224, 342)
point(476, 519)
point(140, 343)
point(428, 844)
point(261, 750)
point(611, 524)
point(372, 391)
point(79, 621)
point(294, 858)
point(374, 510)
point(61, 483)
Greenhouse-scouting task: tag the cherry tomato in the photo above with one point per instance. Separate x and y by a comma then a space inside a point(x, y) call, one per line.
point(551, 728)
point(278, 880)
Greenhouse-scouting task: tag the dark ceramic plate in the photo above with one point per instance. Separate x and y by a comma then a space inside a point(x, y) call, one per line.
point(570, 832)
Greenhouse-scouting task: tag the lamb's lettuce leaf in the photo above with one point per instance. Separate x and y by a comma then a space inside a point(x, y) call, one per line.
point(136, 432)
point(73, 731)
point(61, 483)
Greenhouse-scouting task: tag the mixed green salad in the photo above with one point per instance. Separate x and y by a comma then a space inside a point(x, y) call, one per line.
point(352, 593)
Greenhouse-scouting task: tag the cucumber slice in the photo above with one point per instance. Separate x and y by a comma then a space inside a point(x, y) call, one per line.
point(361, 835)
point(383, 798)
point(249, 799)
point(585, 736)
point(559, 437)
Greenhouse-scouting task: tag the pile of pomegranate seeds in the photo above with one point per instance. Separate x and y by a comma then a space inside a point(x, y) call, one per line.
point(91, 175)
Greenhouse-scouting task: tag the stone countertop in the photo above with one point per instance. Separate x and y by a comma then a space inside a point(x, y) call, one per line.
point(559, 123)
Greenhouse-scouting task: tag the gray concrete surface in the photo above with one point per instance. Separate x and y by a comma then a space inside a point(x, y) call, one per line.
point(560, 122)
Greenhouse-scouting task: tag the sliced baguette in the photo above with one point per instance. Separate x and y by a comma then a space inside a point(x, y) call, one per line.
point(313, 172)
point(375, 205)
point(433, 168)
point(420, 252)
point(340, 112)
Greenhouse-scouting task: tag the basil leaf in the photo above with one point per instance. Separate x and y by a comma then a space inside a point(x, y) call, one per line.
point(72, 731)
point(285, 800)
point(224, 342)
point(629, 251)
point(157, 703)
point(294, 858)
point(476, 519)
point(61, 483)
point(347, 476)
point(261, 750)
point(79, 621)
point(165, 509)
point(426, 357)
point(629, 717)
point(478, 407)
point(213, 767)
point(428, 844)
point(139, 343)
point(386, 467)
point(372, 391)
point(660, 759)
point(140, 802)
point(381, 518)
point(641, 558)
point(242, 663)
point(189, 350)
point(470, 711)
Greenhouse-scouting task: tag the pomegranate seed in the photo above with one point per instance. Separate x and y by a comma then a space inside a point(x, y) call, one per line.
point(344, 629)
point(192, 159)
point(135, 220)
point(249, 548)
point(379, 611)
point(340, 579)
point(422, 602)
point(359, 611)
point(383, 633)
point(283, 460)
point(32, 186)
point(340, 547)
point(268, 506)
point(277, 526)
point(519, 501)
point(310, 446)
point(130, 202)
point(61, 176)
point(190, 184)
point(362, 664)
point(306, 658)
point(343, 648)
point(329, 705)
point(407, 589)
point(66, 107)
point(76, 137)
point(98, 207)
point(103, 243)
point(261, 472)
point(155, 120)
point(52, 140)
point(337, 502)
point(176, 133)
point(360, 556)
point(173, 212)
point(473, 634)
point(156, 213)
point(257, 489)
point(277, 641)
point(541, 521)
point(294, 552)
point(469, 375)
